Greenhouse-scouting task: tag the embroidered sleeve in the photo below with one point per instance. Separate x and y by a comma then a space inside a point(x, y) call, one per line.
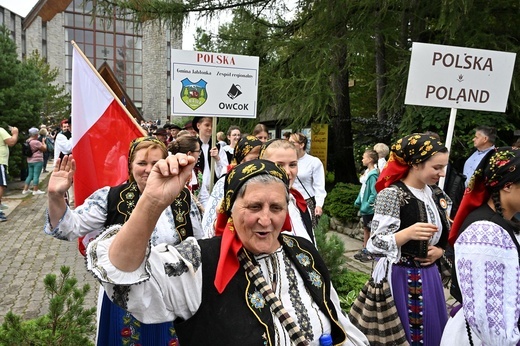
point(488, 274)
point(211, 209)
point(167, 285)
point(385, 223)
point(86, 218)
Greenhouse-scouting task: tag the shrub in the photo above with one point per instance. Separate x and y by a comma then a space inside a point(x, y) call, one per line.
point(66, 324)
point(340, 202)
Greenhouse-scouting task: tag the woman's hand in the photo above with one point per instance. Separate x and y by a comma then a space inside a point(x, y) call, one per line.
point(417, 231)
point(434, 253)
point(59, 182)
point(61, 176)
point(167, 178)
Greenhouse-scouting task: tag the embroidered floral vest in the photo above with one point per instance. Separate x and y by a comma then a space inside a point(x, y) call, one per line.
point(243, 315)
point(122, 199)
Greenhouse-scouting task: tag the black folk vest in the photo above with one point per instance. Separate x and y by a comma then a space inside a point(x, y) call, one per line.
point(233, 319)
point(122, 199)
point(413, 210)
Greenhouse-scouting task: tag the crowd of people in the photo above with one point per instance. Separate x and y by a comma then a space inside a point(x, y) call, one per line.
point(223, 236)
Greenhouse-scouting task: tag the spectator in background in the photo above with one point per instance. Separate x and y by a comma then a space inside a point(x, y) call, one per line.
point(310, 181)
point(483, 141)
point(366, 199)
point(161, 135)
point(382, 151)
point(35, 162)
point(174, 131)
point(6, 140)
point(189, 127)
point(260, 132)
point(233, 136)
point(50, 147)
point(286, 135)
point(63, 141)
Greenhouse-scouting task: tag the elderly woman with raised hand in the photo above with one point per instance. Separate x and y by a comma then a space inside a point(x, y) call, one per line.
point(251, 286)
point(246, 149)
point(487, 251)
point(114, 205)
point(410, 228)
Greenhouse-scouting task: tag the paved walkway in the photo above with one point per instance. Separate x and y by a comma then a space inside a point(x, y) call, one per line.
point(27, 255)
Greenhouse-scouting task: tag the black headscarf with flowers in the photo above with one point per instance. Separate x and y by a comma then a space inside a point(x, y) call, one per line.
point(501, 166)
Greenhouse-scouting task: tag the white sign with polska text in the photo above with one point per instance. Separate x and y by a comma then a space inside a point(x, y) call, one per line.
point(458, 77)
point(214, 84)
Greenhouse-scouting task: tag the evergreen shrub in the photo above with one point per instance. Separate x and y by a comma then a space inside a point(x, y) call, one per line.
point(66, 324)
point(340, 202)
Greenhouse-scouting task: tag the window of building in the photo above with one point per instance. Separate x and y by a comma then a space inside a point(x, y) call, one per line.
point(106, 39)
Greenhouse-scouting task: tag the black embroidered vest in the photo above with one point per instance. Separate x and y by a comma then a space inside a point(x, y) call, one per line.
point(414, 210)
point(244, 318)
point(122, 199)
point(201, 162)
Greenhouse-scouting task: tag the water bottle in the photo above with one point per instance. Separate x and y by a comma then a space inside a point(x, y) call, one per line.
point(325, 340)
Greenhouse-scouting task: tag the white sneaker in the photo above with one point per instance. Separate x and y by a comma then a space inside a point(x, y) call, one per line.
point(24, 192)
point(38, 192)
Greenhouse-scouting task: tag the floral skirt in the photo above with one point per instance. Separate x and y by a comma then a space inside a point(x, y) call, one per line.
point(420, 301)
point(118, 327)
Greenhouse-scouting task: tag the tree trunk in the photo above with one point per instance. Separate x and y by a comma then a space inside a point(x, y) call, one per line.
point(382, 114)
point(341, 127)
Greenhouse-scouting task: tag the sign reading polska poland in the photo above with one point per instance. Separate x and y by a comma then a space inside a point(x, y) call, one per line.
point(458, 77)
point(214, 84)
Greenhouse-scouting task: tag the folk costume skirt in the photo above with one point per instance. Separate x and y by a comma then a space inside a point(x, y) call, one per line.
point(117, 327)
point(420, 302)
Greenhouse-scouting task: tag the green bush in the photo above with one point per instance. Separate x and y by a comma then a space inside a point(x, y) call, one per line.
point(340, 202)
point(331, 248)
point(66, 324)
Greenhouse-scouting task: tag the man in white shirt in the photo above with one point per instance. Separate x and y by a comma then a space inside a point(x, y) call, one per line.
point(484, 141)
point(63, 141)
point(203, 126)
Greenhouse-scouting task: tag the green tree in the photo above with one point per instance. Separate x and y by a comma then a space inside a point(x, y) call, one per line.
point(308, 59)
point(56, 102)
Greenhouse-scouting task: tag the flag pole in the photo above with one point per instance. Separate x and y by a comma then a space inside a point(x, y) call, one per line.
point(449, 139)
point(212, 144)
point(108, 87)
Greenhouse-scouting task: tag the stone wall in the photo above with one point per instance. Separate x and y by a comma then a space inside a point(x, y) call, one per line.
point(352, 229)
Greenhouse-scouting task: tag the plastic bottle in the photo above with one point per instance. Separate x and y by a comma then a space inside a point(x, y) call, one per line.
point(326, 340)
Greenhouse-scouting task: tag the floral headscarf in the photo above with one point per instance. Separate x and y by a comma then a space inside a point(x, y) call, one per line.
point(498, 168)
point(244, 147)
point(228, 263)
point(406, 152)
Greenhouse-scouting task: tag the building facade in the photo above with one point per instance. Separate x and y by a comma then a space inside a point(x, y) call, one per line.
point(138, 55)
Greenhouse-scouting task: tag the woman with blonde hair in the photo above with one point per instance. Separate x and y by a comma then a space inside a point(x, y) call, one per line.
point(114, 205)
point(284, 153)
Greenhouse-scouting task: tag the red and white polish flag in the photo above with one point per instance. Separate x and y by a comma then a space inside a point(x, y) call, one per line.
point(102, 130)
